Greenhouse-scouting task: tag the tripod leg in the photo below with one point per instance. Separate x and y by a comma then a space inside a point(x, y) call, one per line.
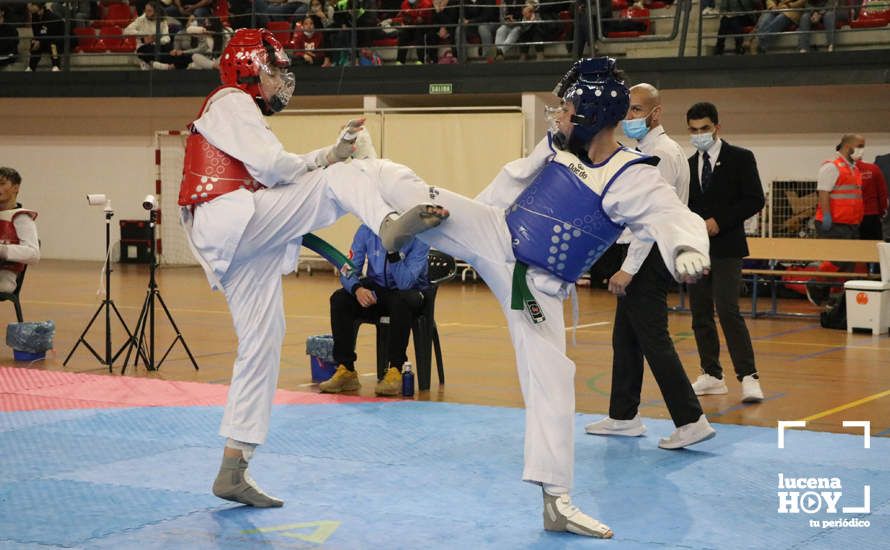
point(132, 343)
point(178, 334)
point(81, 339)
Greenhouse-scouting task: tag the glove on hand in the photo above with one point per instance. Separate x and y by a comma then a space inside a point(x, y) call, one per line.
point(345, 145)
point(691, 265)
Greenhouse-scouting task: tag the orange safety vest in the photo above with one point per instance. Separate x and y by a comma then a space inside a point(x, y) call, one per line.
point(207, 172)
point(845, 199)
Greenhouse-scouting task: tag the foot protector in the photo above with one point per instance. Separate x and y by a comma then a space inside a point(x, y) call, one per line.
point(396, 231)
point(234, 483)
point(561, 515)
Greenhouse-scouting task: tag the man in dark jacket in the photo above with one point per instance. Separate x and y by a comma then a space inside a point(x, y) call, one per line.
point(725, 190)
point(49, 36)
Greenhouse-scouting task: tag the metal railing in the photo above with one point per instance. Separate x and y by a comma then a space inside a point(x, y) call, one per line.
point(364, 32)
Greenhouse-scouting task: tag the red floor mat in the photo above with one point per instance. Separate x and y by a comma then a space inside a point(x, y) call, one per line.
point(23, 389)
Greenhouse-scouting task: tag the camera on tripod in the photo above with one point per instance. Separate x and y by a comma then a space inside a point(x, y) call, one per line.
point(150, 202)
point(137, 341)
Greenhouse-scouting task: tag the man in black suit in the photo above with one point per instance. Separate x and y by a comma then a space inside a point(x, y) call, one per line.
point(724, 190)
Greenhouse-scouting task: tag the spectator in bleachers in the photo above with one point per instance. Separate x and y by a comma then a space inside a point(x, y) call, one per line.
point(193, 40)
point(369, 58)
point(534, 29)
point(774, 21)
point(183, 9)
point(735, 23)
point(413, 14)
point(248, 13)
point(480, 20)
point(9, 42)
point(49, 36)
point(341, 40)
point(149, 27)
point(507, 33)
point(286, 10)
point(825, 12)
point(581, 36)
point(445, 16)
point(218, 36)
point(874, 194)
point(322, 13)
point(309, 45)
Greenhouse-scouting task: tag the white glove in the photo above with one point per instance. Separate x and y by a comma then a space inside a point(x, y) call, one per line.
point(691, 265)
point(345, 145)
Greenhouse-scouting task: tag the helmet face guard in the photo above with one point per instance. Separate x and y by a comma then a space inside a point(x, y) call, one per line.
point(255, 61)
point(599, 95)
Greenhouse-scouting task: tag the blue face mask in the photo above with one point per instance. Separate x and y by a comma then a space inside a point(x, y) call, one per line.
point(702, 142)
point(635, 128)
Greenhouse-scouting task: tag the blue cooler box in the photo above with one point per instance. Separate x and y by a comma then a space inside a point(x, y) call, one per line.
point(320, 350)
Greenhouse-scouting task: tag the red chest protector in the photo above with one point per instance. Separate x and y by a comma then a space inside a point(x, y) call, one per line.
point(207, 172)
point(8, 234)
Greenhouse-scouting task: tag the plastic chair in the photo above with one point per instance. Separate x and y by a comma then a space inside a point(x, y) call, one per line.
point(634, 14)
point(282, 31)
point(14, 295)
point(116, 41)
point(869, 17)
point(442, 268)
point(117, 14)
point(87, 42)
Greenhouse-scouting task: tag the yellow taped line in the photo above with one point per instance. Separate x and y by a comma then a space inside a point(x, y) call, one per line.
point(849, 405)
point(322, 530)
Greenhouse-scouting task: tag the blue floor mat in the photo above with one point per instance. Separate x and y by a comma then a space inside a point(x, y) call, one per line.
point(419, 475)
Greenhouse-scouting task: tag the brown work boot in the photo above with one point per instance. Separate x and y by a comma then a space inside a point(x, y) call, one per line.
point(343, 380)
point(391, 385)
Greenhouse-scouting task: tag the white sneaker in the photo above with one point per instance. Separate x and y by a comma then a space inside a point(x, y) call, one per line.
point(609, 426)
point(751, 392)
point(709, 385)
point(157, 65)
point(28, 70)
point(55, 69)
point(143, 66)
point(561, 515)
point(690, 434)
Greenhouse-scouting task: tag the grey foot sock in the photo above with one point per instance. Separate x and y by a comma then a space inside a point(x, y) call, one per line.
point(397, 231)
point(235, 484)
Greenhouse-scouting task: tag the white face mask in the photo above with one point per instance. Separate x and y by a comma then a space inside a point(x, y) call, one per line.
point(702, 142)
point(857, 153)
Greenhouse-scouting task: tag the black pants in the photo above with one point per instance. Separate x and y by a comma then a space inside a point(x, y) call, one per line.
point(422, 38)
point(641, 330)
point(871, 229)
point(53, 46)
point(146, 53)
point(399, 305)
point(721, 288)
point(732, 25)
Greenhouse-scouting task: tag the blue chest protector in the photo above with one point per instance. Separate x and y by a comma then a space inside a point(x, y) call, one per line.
point(558, 223)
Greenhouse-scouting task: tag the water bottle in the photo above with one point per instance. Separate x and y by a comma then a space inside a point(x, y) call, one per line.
point(407, 380)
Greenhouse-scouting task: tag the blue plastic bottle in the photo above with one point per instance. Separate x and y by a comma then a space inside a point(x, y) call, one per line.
point(407, 380)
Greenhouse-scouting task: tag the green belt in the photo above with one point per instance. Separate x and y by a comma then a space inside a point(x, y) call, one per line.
point(522, 297)
point(329, 253)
